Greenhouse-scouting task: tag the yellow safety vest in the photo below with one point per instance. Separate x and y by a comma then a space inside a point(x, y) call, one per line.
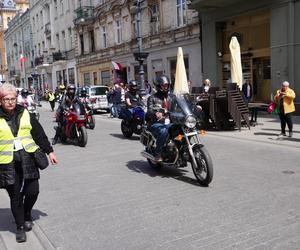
point(51, 97)
point(7, 138)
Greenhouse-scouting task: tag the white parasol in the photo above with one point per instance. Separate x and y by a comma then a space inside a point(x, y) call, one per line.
point(235, 62)
point(181, 84)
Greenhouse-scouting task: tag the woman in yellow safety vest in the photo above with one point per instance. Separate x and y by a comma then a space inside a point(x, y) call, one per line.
point(20, 136)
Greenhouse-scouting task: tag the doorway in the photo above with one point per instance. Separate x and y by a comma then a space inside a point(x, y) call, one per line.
point(261, 79)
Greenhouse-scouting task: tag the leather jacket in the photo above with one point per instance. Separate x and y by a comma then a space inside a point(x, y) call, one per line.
point(155, 104)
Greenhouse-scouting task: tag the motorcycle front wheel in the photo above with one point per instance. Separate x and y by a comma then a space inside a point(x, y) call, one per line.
point(203, 170)
point(82, 138)
point(126, 130)
point(91, 122)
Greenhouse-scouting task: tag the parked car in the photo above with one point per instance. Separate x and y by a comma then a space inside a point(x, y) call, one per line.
point(97, 96)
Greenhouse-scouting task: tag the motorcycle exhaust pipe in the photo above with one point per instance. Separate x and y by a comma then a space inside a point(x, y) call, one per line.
point(147, 155)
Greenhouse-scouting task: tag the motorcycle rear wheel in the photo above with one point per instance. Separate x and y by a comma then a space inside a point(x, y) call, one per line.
point(126, 130)
point(91, 122)
point(82, 139)
point(204, 169)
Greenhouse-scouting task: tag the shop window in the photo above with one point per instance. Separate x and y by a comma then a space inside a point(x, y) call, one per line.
point(105, 77)
point(266, 69)
point(95, 78)
point(58, 77)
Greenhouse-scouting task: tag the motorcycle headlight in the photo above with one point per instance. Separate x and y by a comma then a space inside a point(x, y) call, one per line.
point(190, 121)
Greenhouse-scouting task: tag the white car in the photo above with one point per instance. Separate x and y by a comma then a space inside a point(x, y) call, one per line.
point(98, 97)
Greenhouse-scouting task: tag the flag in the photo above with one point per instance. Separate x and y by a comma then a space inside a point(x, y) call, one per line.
point(117, 66)
point(22, 61)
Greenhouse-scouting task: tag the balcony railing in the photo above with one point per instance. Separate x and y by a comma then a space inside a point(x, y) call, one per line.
point(84, 15)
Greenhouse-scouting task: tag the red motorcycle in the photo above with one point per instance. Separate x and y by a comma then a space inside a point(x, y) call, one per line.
point(75, 126)
point(90, 120)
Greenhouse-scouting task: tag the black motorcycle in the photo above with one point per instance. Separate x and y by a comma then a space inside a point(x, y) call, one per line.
point(183, 144)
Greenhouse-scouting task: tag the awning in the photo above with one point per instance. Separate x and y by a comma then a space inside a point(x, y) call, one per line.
point(117, 66)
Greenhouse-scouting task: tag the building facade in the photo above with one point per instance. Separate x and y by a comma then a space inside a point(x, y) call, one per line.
point(8, 9)
point(269, 36)
point(53, 39)
point(19, 47)
point(106, 32)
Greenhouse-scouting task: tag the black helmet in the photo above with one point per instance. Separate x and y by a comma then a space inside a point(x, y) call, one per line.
point(162, 84)
point(71, 89)
point(133, 85)
point(83, 92)
point(24, 93)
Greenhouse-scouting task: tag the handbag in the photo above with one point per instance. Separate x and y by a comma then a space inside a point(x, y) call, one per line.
point(271, 107)
point(40, 159)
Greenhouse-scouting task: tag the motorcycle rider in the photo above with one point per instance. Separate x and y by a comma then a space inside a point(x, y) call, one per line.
point(25, 99)
point(131, 98)
point(157, 106)
point(65, 104)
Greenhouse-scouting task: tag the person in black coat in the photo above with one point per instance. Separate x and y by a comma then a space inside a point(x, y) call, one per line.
point(21, 135)
point(247, 91)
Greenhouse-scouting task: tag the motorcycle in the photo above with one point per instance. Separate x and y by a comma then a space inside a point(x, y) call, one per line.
point(183, 144)
point(33, 110)
point(74, 126)
point(135, 124)
point(90, 119)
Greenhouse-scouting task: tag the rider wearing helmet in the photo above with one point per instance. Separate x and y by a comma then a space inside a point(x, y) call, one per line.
point(67, 100)
point(25, 99)
point(157, 107)
point(131, 96)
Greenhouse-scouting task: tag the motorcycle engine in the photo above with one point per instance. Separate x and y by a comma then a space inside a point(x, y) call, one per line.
point(170, 152)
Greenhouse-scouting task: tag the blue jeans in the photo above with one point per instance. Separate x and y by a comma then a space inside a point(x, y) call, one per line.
point(115, 110)
point(160, 132)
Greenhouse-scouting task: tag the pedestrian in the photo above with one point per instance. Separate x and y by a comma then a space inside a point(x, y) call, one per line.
point(285, 102)
point(148, 88)
point(116, 100)
point(21, 136)
point(51, 98)
point(206, 85)
point(247, 91)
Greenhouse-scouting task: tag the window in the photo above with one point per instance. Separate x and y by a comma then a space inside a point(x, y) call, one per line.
point(58, 77)
point(61, 7)
point(71, 74)
point(70, 38)
point(81, 44)
point(118, 32)
point(57, 42)
point(95, 78)
point(64, 44)
point(104, 37)
point(86, 79)
point(65, 81)
point(181, 12)
point(92, 41)
point(105, 77)
point(55, 9)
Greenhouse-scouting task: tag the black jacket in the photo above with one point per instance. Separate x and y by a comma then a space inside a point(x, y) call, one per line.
point(155, 104)
point(30, 171)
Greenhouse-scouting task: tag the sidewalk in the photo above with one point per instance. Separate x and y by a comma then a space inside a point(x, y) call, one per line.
point(266, 131)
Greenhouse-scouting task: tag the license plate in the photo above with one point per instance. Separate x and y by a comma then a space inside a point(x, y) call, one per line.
point(81, 117)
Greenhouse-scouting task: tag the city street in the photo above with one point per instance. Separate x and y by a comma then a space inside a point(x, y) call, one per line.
point(106, 196)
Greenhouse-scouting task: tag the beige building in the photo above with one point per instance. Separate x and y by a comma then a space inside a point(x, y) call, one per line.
point(8, 10)
point(106, 33)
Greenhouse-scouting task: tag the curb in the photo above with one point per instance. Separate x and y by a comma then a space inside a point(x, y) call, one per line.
point(42, 237)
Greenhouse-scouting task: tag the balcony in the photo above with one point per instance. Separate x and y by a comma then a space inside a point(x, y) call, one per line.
point(84, 15)
point(38, 60)
point(58, 56)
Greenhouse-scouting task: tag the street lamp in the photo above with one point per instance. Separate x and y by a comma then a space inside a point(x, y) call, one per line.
point(140, 56)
